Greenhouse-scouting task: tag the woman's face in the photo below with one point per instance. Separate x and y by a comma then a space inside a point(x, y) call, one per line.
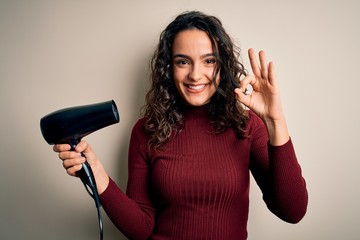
point(194, 66)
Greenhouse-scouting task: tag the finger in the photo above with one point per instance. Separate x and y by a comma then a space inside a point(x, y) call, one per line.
point(86, 149)
point(81, 146)
point(254, 63)
point(69, 155)
point(239, 94)
point(263, 64)
point(245, 89)
point(272, 76)
point(61, 147)
point(72, 170)
point(242, 97)
point(248, 83)
point(68, 163)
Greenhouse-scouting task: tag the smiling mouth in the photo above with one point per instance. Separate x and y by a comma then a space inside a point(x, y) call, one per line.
point(196, 87)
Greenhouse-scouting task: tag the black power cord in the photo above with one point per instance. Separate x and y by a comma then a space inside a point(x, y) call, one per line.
point(87, 177)
point(94, 194)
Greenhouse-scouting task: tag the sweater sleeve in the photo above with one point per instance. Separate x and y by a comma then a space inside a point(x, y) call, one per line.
point(278, 174)
point(132, 213)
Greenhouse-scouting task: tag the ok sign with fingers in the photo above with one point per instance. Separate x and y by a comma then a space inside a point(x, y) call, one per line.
point(265, 98)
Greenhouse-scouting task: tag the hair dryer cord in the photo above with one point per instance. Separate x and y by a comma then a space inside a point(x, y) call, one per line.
point(87, 177)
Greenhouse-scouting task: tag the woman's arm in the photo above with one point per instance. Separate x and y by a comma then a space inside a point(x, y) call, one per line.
point(273, 160)
point(278, 174)
point(132, 213)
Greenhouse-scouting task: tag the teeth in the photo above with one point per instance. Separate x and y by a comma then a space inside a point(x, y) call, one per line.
point(196, 87)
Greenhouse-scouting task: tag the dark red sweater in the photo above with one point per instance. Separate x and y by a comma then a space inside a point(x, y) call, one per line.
point(198, 188)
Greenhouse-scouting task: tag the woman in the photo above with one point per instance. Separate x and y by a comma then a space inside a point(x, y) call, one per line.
point(190, 154)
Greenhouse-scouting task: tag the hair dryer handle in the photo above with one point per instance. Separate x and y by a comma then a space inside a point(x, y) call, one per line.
point(87, 177)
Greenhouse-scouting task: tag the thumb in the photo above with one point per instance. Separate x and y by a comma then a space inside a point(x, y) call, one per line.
point(87, 151)
point(242, 96)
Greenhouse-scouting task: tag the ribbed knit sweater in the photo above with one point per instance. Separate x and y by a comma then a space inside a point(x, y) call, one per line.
point(197, 187)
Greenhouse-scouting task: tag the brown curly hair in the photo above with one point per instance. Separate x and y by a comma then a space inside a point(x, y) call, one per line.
point(162, 108)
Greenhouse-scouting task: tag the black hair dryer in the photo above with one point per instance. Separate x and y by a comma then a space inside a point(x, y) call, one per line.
point(70, 125)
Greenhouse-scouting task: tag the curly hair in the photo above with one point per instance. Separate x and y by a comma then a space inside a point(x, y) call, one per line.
point(162, 107)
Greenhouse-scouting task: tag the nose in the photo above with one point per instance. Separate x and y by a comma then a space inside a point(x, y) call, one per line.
point(196, 72)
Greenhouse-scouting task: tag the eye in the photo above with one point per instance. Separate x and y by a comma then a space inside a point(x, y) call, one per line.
point(181, 62)
point(210, 61)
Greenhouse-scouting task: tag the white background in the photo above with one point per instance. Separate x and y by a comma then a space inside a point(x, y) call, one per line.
point(56, 54)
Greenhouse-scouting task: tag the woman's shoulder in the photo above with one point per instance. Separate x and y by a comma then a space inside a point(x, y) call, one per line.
point(139, 133)
point(140, 122)
point(139, 125)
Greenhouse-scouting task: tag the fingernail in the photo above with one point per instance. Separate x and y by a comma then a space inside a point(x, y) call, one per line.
point(248, 90)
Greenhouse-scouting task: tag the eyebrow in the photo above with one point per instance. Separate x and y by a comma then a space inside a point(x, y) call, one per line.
point(179, 55)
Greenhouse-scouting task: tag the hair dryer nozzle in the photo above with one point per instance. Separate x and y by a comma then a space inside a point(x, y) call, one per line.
point(70, 125)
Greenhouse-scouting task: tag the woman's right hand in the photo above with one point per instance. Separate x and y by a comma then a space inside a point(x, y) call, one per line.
point(73, 160)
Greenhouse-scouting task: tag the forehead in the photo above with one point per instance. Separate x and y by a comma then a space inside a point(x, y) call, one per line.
point(192, 41)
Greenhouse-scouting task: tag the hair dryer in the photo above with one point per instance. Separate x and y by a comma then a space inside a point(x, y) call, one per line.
point(70, 125)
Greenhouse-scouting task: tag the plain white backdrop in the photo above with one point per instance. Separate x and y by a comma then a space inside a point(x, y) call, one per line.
point(56, 54)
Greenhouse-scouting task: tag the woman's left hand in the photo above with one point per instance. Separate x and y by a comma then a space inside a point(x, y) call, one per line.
point(264, 99)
